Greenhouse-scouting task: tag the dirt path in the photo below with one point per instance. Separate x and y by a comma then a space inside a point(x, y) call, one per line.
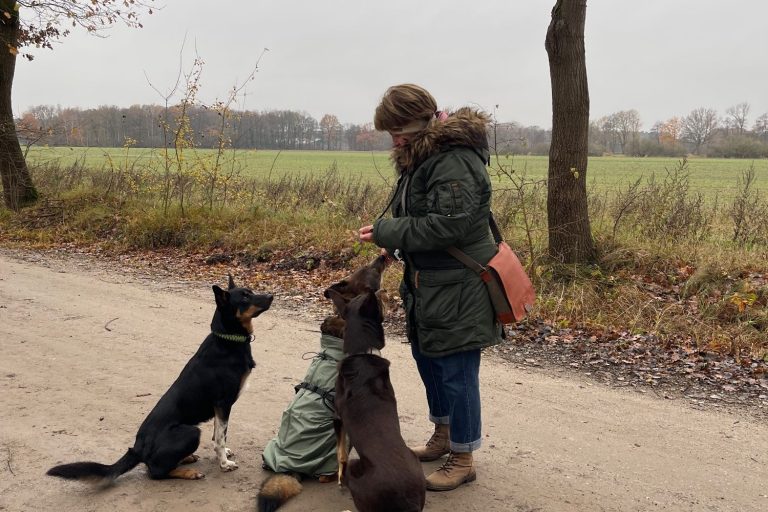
point(85, 353)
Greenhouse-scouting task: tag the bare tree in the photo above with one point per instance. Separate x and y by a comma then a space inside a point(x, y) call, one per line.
point(761, 126)
point(699, 126)
point(570, 236)
point(38, 23)
point(736, 117)
point(603, 135)
point(626, 124)
point(18, 189)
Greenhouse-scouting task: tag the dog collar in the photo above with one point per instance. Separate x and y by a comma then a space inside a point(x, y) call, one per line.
point(240, 338)
point(370, 351)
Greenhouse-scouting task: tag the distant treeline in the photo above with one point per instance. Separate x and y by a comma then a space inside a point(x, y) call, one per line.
point(701, 132)
point(155, 126)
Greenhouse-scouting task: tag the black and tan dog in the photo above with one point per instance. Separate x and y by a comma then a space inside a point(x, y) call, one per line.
point(387, 476)
point(207, 387)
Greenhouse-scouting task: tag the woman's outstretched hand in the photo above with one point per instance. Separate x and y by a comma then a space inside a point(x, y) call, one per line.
point(365, 233)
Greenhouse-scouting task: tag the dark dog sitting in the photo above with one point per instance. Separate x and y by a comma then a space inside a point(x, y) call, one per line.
point(301, 450)
point(364, 279)
point(387, 476)
point(207, 387)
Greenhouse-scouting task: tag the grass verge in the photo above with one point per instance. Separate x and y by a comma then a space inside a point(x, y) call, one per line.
point(671, 265)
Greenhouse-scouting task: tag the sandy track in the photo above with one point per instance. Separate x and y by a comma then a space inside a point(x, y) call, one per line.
point(73, 390)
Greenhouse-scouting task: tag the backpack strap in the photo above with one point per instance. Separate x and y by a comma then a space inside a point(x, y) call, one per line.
point(327, 395)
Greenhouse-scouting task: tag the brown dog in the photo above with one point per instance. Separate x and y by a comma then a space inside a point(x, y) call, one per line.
point(281, 487)
point(387, 476)
point(362, 280)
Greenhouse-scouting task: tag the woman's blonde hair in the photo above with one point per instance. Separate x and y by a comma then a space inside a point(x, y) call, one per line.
point(403, 105)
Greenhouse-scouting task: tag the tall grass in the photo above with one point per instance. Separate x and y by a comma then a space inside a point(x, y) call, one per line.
point(689, 270)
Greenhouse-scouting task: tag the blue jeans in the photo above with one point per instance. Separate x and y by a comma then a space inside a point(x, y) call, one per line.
point(453, 394)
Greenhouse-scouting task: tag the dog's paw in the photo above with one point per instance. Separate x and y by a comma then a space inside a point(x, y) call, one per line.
point(186, 474)
point(229, 465)
point(190, 459)
point(229, 452)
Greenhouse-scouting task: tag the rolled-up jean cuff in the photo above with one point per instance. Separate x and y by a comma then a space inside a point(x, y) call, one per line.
point(442, 420)
point(466, 447)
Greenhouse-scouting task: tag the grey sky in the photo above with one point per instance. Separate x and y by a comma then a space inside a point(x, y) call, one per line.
point(661, 57)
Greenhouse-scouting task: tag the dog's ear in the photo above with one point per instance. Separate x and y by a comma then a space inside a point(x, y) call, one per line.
point(338, 301)
point(339, 287)
point(231, 282)
point(370, 307)
point(222, 296)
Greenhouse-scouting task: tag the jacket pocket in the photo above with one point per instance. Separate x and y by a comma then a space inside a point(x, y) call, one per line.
point(438, 297)
point(448, 200)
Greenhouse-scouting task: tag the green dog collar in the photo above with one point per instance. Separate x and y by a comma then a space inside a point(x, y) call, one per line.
point(239, 338)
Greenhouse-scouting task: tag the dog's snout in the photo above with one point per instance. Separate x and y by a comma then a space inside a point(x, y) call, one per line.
point(261, 300)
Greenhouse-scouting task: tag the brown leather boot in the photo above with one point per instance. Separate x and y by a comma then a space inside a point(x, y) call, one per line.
point(437, 446)
point(457, 470)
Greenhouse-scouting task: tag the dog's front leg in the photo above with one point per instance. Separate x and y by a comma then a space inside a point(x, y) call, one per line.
point(342, 455)
point(220, 422)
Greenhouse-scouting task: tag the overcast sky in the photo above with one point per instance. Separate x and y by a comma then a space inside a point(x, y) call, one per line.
point(661, 57)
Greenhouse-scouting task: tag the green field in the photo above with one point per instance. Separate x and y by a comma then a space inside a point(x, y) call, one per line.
point(252, 162)
point(710, 176)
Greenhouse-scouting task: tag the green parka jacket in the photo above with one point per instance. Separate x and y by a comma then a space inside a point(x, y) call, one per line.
point(443, 198)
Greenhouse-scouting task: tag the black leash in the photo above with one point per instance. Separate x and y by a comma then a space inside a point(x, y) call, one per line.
point(392, 198)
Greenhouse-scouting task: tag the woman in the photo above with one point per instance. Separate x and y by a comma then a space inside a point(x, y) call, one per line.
point(442, 199)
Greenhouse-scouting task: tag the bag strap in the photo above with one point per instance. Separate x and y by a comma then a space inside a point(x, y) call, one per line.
point(494, 229)
point(466, 260)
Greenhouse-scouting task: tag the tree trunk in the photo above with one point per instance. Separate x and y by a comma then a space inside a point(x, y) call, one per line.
point(18, 189)
point(570, 237)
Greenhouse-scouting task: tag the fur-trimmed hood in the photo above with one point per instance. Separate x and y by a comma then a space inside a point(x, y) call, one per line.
point(465, 127)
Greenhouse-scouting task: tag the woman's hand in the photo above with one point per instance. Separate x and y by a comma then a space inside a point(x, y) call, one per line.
point(365, 233)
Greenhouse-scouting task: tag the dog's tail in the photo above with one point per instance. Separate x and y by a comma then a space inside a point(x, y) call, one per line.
point(276, 490)
point(96, 472)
